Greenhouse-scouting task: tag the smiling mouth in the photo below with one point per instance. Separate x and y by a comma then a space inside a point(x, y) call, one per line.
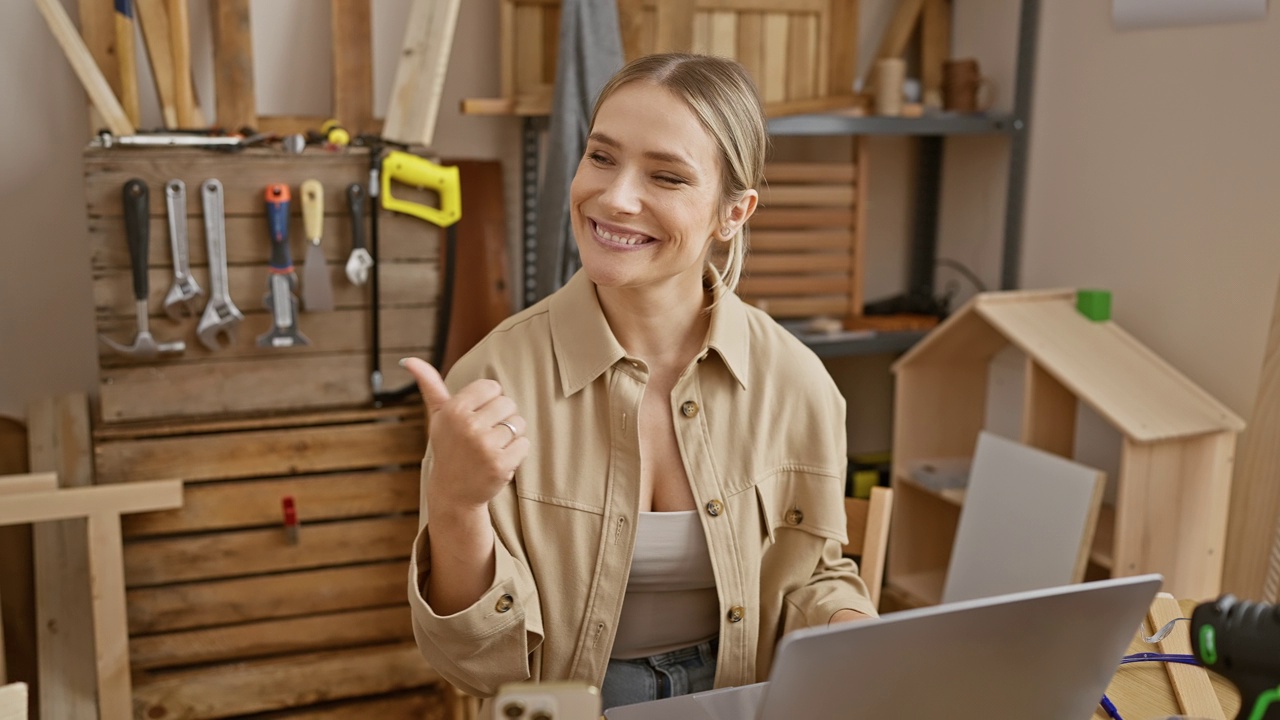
point(627, 240)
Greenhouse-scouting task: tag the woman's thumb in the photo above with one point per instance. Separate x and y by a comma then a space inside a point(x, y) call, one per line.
point(430, 384)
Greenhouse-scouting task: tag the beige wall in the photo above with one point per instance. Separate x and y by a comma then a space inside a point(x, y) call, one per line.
point(1155, 172)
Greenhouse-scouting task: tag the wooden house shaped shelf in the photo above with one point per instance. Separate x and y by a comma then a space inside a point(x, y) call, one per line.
point(1172, 492)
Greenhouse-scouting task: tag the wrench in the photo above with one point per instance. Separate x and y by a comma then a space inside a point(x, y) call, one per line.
point(360, 261)
point(220, 315)
point(178, 302)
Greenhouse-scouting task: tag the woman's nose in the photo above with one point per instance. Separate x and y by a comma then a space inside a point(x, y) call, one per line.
point(622, 194)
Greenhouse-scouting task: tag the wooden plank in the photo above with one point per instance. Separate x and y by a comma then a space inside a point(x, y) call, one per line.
point(821, 172)
point(1253, 538)
point(97, 27)
point(750, 44)
point(1048, 412)
point(788, 307)
point(901, 26)
point(807, 195)
point(169, 608)
point(722, 33)
point(857, 274)
point(225, 506)
point(405, 239)
point(262, 685)
point(802, 35)
point(630, 26)
point(843, 47)
point(290, 124)
point(33, 482)
point(110, 636)
point(762, 264)
point(281, 382)
point(154, 19)
point(674, 26)
point(528, 50)
point(150, 430)
point(1190, 683)
point(351, 24)
point(550, 43)
point(419, 79)
point(58, 432)
point(773, 86)
point(126, 56)
point(67, 503)
point(935, 47)
point(180, 41)
point(233, 56)
point(786, 218)
point(273, 637)
point(407, 284)
point(702, 33)
point(805, 285)
point(424, 704)
point(13, 701)
point(82, 62)
point(263, 453)
point(768, 241)
point(783, 108)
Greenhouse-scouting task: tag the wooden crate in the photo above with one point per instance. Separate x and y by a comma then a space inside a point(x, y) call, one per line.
point(333, 371)
point(801, 53)
point(805, 244)
point(226, 617)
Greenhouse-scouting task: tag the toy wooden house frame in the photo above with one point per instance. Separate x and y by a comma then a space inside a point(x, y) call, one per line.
point(1174, 484)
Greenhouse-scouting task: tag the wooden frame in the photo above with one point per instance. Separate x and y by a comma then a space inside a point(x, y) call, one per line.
point(1172, 491)
point(867, 525)
point(800, 52)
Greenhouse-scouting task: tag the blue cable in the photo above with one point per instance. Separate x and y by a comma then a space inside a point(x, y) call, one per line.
point(1110, 708)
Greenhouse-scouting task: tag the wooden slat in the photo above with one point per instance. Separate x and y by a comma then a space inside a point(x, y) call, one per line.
point(702, 33)
point(764, 264)
point(777, 218)
point(935, 46)
point(13, 701)
point(229, 505)
point(262, 453)
point(97, 26)
point(351, 25)
point(751, 45)
point(765, 241)
point(807, 285)
point(271, 384)
point(233, 56)
point(675, 22)
point(150, 430)
point(248, 552)
point(154, 19)
point(723, 30)
point(259, 686)
point(33, 482)
point(778, 195)
point(406, 284)
point(272, 637)
point(843, 44)
point(419, 80)
point(424, 704)
point(773, 86)
point(858, 274)
point(788, 307)
point(528, 68)
point(101, 94)
point(550, 43)
point(110, 631)
point(65, 503)
point(1190, 684)
point(290, 124)
point(219, 602)
point(180, 42)
point(802, 46)
point(58, 432)
point(780, 172)
point(630, 26)
point(903, 23)
point(401, 238)
point(799, 6)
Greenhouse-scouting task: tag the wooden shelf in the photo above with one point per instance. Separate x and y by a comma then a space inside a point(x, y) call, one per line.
point(1102, 553)
point(954, 497)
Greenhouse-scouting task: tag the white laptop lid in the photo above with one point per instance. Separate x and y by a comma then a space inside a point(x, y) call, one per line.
point(1044, 654)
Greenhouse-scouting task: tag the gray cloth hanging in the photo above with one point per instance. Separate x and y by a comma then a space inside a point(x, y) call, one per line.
point(590, 53)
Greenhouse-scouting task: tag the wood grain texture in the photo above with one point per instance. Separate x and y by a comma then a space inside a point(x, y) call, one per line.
point(935, 45)
point(750, 45)
point(351, 25)
point(674, 26)
point(1190, 684)
point(236, 103)
point(430, 703)
point(800, 218)
point(101, 93)
point(1049, 413)
point(110, 636)
point(180, 41)
point(842, 47)
point(169, 608)
point(265, 685)
point(419, 80)
point(154, 19)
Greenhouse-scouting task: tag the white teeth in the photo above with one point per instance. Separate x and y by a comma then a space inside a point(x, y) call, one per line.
point(620, 239)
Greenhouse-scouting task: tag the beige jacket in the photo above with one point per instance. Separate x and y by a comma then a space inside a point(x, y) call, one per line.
point(761, 431)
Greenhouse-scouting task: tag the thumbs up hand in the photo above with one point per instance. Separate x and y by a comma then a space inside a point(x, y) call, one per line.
point(478, 438)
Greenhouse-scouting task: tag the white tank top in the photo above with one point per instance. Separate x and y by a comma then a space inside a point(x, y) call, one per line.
point(671, 601)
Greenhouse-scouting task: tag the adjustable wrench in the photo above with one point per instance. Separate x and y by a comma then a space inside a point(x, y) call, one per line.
point(178, 302)
point(220, 315)
point(282, 282)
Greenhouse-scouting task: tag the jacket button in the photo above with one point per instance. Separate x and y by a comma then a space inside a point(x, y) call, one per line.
point(714, 508)
point(795, 516)
point(689, 408)
point(737, 613)
point(504, 604)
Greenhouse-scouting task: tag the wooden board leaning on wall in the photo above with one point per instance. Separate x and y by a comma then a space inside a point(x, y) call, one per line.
point(333, 370)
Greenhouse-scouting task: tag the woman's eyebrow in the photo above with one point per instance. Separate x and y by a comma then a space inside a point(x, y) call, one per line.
point(658, 155)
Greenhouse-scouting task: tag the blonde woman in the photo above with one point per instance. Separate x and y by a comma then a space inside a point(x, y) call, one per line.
point(637, 482)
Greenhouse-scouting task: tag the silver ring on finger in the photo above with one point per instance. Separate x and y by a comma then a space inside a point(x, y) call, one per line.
point(514, 433)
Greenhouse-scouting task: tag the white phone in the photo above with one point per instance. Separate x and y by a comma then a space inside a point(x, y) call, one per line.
point(547, 701)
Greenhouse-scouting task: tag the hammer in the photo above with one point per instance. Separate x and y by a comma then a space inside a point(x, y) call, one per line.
point(138, 231)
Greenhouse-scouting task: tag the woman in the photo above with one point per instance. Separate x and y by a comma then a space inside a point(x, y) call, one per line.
point(637, 482)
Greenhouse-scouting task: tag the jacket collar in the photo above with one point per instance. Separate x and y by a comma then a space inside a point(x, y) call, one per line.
point(585, 346)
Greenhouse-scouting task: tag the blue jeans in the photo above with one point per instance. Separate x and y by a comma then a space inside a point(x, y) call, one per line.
point(680, 672)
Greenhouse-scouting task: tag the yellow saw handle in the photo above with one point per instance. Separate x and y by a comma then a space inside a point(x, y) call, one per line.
point(422, 173)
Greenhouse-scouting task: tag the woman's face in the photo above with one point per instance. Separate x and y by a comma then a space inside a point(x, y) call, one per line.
point(646, 198)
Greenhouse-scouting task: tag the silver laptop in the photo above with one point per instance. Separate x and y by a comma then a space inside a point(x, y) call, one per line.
point(1044, 654)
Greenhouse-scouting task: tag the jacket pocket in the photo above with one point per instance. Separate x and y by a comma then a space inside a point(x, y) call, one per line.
point(807, 501)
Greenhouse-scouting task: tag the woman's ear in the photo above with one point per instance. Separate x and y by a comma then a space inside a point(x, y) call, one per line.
point(740, 212)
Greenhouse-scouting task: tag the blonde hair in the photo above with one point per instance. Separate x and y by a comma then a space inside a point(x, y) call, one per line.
point(724, 99)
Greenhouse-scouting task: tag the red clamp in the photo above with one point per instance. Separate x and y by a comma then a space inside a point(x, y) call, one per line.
point(290, 519)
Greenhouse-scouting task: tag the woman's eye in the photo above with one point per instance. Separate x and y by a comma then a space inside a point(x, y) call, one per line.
point(670, 180)
point(596, 157)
